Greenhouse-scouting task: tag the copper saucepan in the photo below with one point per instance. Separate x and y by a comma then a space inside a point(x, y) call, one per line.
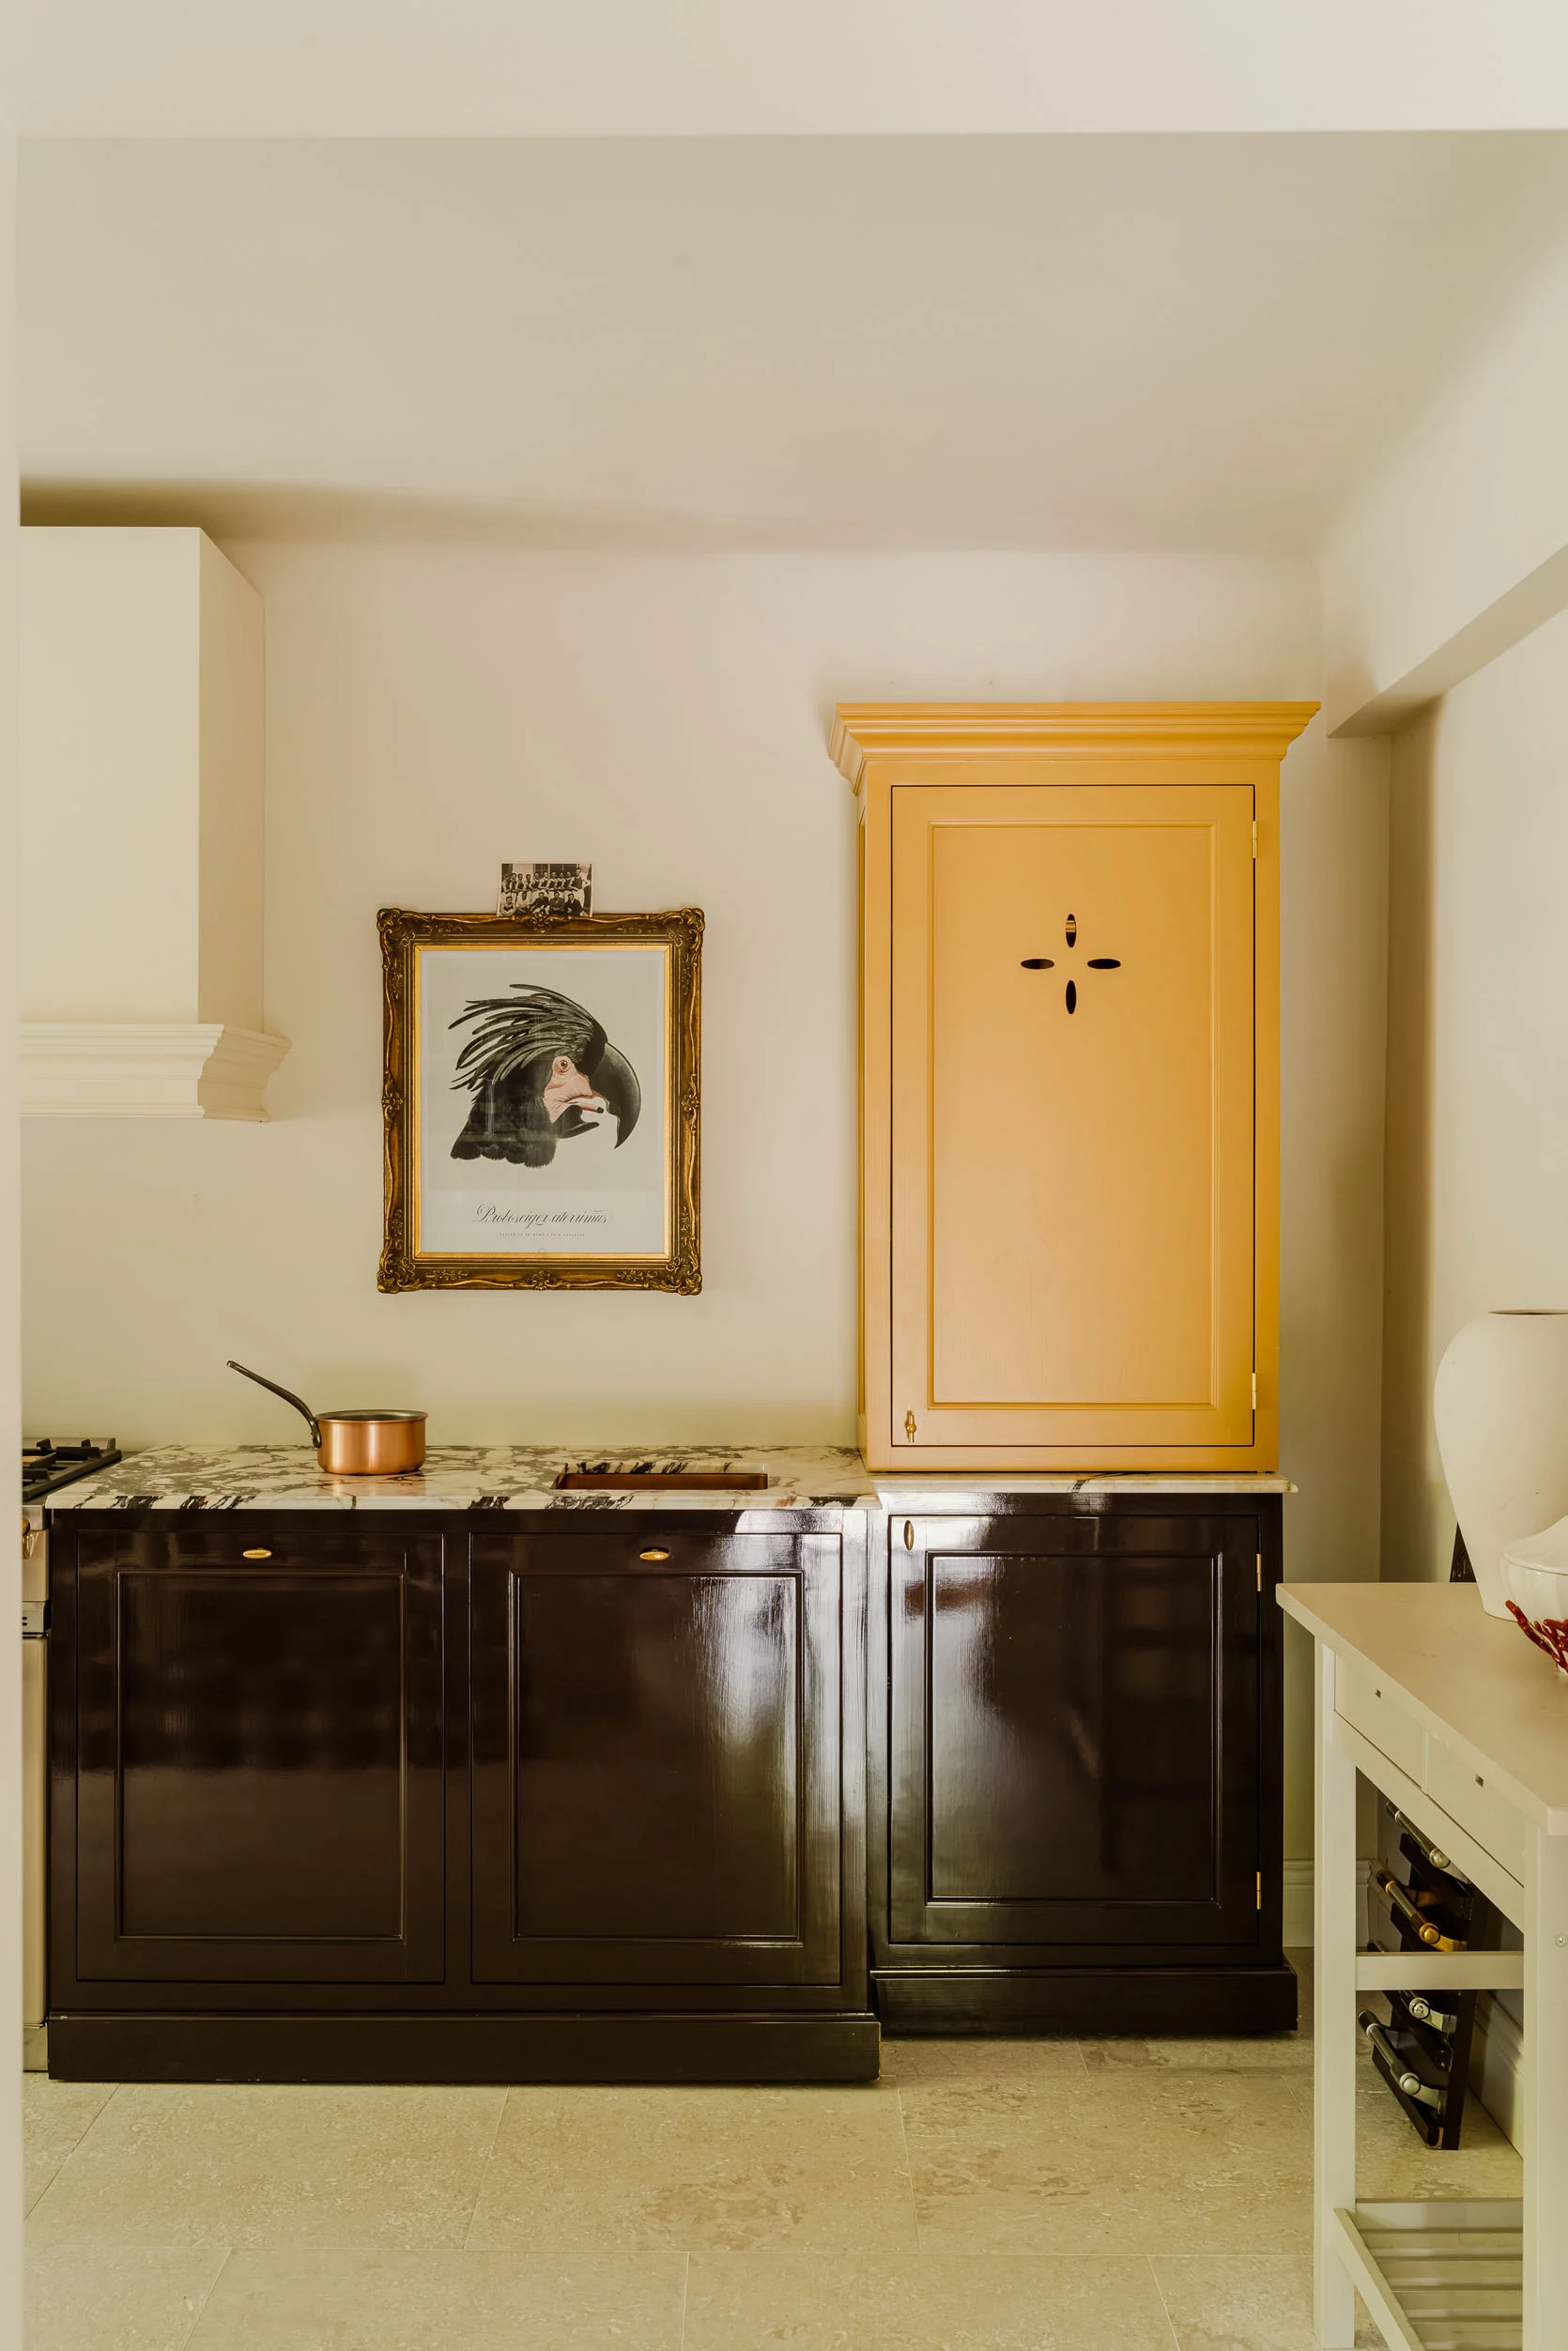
point(375, 1444)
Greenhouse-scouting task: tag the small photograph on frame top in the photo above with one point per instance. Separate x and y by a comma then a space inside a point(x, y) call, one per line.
point(546, 892)
point(541, 1099)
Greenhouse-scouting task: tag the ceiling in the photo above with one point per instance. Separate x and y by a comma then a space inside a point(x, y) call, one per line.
point(290, 68)
point(1196, 342)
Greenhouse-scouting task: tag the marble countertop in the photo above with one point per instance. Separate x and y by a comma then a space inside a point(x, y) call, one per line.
point(971, 1489)
point(522, 1477)
point(458, 1476)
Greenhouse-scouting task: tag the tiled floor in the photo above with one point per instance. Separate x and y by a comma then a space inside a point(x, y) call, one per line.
point(983, 2196)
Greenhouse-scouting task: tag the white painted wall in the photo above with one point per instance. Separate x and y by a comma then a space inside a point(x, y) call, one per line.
point(1457, 547)
point(1334, 840)
point(1478, 1047)
point(435, 709)
point(10, 1503)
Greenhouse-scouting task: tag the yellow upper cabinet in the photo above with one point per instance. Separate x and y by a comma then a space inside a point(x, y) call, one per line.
point(1070, 1097)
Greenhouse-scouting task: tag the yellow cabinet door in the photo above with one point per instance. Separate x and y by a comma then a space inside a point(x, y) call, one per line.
point(1072, 1118)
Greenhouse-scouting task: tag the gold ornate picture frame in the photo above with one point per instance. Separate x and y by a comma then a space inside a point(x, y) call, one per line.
point(541, 1097)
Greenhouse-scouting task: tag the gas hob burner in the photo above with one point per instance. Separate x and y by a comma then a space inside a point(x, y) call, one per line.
point(46, 1466)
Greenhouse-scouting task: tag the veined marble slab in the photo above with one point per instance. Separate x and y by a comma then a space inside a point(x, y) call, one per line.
point(459, 1477)
point(522, 1477)
point(968, 1490)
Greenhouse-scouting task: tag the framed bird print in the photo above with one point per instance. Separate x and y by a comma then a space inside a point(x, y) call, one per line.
point(541, 1097)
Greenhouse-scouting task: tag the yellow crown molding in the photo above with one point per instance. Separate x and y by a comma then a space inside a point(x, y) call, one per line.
point(864, 730)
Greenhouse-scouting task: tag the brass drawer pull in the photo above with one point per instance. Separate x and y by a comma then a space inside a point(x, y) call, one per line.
point(255, 1555)
point(654, 1554)
point(1415, 1918)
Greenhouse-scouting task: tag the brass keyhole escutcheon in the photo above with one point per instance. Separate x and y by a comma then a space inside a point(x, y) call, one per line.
point(653, 1553)
point(255, 1555)
point(909, 1534)
point(909, 1427)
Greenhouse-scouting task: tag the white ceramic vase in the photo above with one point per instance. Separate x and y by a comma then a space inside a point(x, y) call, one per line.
point(1501, 1408)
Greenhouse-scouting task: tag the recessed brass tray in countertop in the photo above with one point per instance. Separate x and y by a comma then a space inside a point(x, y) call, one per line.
point(662, 1481)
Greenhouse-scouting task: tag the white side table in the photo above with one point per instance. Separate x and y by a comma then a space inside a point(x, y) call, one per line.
point(1454, 1715)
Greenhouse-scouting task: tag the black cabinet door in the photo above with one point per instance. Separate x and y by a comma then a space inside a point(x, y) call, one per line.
point(259, 1753)
point(656, 1758)
point(1074, 1734)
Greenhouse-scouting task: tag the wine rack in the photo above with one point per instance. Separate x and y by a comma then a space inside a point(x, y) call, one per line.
point(1423, 2051)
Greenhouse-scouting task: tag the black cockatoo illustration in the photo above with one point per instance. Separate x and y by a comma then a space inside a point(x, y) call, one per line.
point(536, 1063)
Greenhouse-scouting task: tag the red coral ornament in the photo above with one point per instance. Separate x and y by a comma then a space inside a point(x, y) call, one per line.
point(1551, 1634)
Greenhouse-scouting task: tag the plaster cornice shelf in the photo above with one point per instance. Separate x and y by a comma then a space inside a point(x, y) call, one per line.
point(863, 730)
point(145, 1069)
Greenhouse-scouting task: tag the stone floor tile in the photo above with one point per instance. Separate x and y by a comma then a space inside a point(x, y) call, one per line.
point(645, 2170)
point(1259, 2053)
point(943, 2302)
point(116, 2298)
point(309, 2298)
point(249, 2163)
point(1260, 2303)
point(919, 2060)
point(54, 2114)
point(1391, 2162)
point(1125, 2162)
point(1262, 2052)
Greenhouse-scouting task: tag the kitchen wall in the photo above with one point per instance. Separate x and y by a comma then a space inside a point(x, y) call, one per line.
point(1456, 545)
point(435, 708)
point(12, 2204)
point(1478, 1047)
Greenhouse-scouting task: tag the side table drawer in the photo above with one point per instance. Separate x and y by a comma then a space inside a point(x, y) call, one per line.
point(1382, 1719)
point(1465, 1797)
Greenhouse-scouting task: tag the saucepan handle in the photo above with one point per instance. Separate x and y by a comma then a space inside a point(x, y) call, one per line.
point(288, 1396)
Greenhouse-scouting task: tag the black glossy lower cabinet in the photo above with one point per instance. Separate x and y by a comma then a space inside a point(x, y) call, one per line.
point(620, 1795)
point(258, 1753)
point(1075, 1772)
point(428, 1798)
point(656, 1765)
